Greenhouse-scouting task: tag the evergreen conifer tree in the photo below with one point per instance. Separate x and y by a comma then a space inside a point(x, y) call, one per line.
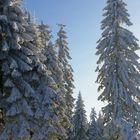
point(119, 76)
point(50, 53)
point(52, 110)
point(100, 123)
point(80, 121)
point(45, 33)
point(94, 131)
point(64, 58)
point(37, 40)
point(15, 62)
point(29, 100)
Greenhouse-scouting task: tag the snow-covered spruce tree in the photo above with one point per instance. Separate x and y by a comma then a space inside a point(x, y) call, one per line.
point(37, 40)
point(53, 65)
point(50, 53)
point(100, 123)
point(94, 131)
point(50, 111)
point(44, 115)
point(15, 92)
point(80, 121)
point(57, 75)
point(45, 33)
point(119, 76)
point(64, 58)
point(47, 112)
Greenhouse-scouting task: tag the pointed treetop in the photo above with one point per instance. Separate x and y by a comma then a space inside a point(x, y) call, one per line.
point(80, 97)
point(80, 101)
point(34, 19)
point(80, 120)
point(93, 114)
point(115, 14)
point(44, 25)
point(42, 22)
point(61, 25)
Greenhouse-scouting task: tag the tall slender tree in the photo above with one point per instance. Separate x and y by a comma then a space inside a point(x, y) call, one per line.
point(80, 121)
point(64, 58)
point(94, 130)
point(100, 123)
point(119, 76)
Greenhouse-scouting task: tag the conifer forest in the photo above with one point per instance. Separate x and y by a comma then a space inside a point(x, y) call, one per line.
point(37, 85)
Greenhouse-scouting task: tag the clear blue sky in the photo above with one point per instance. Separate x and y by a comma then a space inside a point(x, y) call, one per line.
point(82, 18)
